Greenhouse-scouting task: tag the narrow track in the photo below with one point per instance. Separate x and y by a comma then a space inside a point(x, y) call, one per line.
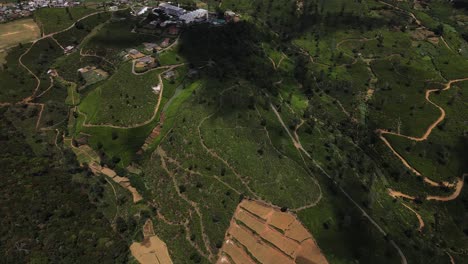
point(427, 133)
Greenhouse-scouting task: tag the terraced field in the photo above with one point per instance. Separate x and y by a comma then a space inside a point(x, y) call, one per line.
point(261, 233)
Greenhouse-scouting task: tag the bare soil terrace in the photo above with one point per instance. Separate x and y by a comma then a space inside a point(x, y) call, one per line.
point(152, 250)
point(260, 233)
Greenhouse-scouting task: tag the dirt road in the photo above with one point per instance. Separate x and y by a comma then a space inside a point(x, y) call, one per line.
point(427, 133)
point(420, 220)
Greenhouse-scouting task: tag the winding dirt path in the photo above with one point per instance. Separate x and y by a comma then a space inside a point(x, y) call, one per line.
point(446, 44)
point(50, 87)
point(453, 196)
point(55, 40)
point(82, 54)
point(452, 261)
point(155, 112)
point(447, 86)
point(420, 219)
point(427, 133)
point(194, 205)
point(459, 185)
point(27, 100)
point(297, 144)
point(416, 20)
point(364, 213)
point(275, 65)
point(397, 194)
point(215, 155)
point(31, 97)
point(115, 200)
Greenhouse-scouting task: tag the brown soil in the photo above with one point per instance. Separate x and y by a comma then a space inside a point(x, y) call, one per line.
point(122, 181)
point(148, 230)
point(433, 40)
point(369, 94)
point(262, 233)
point(151, 251)
point(452, 261)
point(420, 220)
point(459, 185)
point(454, 195)
point(422, 34)
point(396, 194)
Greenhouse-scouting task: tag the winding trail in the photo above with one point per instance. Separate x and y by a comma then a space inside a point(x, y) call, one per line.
point(276, 66)
point(420, 220)
point(397, 194)
point(31, 97)
point(27, 100)
point(454, 195)
point(452, 261)
point(82, 54)
point(55, 40)
point(446, 44)
point(179, 166)
point(115, 200)
point(416, 20)
point(195, 206)
point(215, 155)
point(155, 112)
point(298, 145)
point(427, 133)
point(51, 35)
point(50, 87)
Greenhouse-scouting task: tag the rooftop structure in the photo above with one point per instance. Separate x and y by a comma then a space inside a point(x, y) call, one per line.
point(69, 49)
point(172, 10)
point(156, 89)
point(194, 16)
point(142, 11)
point(135, 54)
point(150, 46)
point(165, 42)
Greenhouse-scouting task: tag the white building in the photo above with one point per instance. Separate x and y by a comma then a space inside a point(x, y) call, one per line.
point(171, 10)
point(195, 16)
point(142, 11)
point(156, 89)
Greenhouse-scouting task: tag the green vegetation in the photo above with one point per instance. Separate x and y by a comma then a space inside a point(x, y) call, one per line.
point(44, 211)
point(52, 20)
point(288, 106)
point(16, 80)
point(81, 29)
point(114, 103)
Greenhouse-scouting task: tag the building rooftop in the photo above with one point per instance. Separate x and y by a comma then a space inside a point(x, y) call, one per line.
point(171, 7)
point(194, 15)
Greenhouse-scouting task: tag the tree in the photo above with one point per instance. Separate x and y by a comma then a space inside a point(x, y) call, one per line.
point(439, 30)
point(120, 225)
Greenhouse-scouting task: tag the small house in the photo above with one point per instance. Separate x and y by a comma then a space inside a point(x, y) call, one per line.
point(135, 54)
point(165, 43)
point(173, 30)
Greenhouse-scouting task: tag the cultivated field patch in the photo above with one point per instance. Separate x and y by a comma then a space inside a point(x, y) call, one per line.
point(263, 234)
point(18, 31)
point(152, 250)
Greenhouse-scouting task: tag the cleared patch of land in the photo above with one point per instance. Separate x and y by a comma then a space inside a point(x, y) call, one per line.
point(18, 31)
point(152, 250)
point(261, 233)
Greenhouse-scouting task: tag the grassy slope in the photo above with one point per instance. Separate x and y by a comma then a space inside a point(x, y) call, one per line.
point(56, 19)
